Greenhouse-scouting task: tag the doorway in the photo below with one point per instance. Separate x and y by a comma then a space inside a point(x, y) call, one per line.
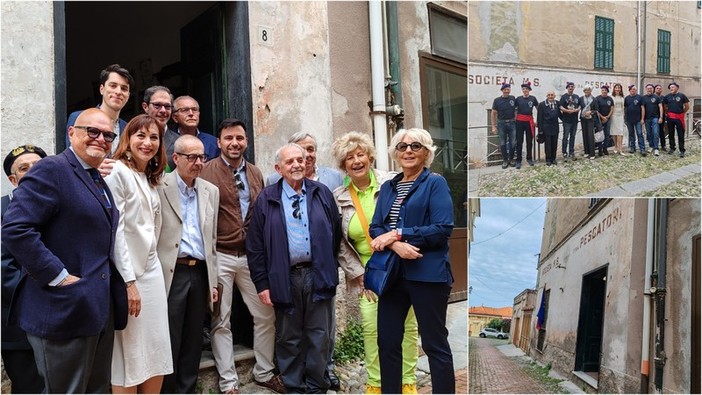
point(591, 322)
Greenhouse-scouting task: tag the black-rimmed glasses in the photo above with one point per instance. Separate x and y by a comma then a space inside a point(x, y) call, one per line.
point(402, 147)
point(159, 106)
point(193, 157)
point(94, 133)
point(237, 181)
point(296, 207)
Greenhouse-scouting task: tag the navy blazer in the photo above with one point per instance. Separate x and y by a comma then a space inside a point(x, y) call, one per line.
point(59, 220)
point(427, 224)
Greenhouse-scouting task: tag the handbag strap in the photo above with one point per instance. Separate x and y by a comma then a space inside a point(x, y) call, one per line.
point(359, 212)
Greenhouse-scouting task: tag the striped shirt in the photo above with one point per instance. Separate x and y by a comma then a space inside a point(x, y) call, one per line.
point(403, 188)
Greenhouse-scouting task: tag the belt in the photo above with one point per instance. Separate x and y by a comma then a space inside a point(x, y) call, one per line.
point(189, 261)
point(505, 120)
point(300, 265)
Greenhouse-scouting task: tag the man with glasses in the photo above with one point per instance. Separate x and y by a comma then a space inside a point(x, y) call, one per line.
point(186, 115)
point(292, 246)
point(189, 207)
point(240, 183)
point(115, 87)
point(17, 354)
point(158, 102)
point(61, 229)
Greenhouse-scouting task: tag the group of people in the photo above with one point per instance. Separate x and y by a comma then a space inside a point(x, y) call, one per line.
point(602, 119)
point(115, 251)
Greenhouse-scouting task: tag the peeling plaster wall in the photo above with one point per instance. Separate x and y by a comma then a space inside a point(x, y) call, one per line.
point(683, 225)
point(617, 243)
point(27, 77)
point(291, 79)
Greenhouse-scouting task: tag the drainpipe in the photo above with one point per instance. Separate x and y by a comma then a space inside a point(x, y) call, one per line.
point(643, 39)
point(659, 287)
point(394, 54)
point(646, 330)
point(375, 16)
point(638, 45)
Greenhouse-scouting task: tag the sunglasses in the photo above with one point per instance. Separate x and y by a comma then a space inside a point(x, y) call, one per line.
point(402, 147)
point(193, 157)
point(296, 207)
point(94, 133)
point(237, 180)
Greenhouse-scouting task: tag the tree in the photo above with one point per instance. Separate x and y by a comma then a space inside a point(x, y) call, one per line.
point(495, 323)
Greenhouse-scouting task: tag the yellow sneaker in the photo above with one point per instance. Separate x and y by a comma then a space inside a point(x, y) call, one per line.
point(409, 388)
point(370, 389)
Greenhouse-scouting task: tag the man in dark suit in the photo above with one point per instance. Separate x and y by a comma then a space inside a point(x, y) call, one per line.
point(61, 230)
point(17, 354)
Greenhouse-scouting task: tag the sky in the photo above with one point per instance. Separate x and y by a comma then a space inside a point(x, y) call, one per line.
point(503, 261)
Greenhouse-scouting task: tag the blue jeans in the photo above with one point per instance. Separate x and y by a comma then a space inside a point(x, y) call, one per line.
point(507, 131)
point(569, 130)
point(639, 134)
point(652, 132)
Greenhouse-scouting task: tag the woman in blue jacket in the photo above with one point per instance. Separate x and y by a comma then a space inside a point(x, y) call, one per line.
point(414, 218)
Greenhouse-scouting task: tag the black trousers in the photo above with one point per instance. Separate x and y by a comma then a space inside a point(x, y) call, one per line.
point(550, 147)
point(676, 125)
point(430, 301)
point(22, 370)
point(588, 126)
point(524, 128)
point(187, 306)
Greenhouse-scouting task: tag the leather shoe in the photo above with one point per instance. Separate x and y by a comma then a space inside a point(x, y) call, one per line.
point(334, 382)
point(274, 384)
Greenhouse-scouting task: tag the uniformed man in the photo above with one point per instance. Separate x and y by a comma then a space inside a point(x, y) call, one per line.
point(606, 109)
point(653, 104)
point(503, 123)
point(526, 104)
point(570, 107)
point(677, 104)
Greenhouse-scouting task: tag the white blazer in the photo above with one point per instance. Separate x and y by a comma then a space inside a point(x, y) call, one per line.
point(139, 220)
point(171, 231)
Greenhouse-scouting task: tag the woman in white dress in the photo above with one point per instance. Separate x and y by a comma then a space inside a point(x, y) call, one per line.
point(142, 351)
point(617, 130)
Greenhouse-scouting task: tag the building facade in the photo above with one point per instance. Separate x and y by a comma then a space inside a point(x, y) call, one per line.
point(585, 42)
point(522, 310)
point(616, 286)
point(480, 316)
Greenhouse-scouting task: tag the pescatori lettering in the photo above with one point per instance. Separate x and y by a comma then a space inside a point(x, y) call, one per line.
point(602, 226)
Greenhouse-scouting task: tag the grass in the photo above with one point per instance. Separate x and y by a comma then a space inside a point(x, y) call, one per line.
point(686, 186)
point(540, 374)
point(586, 176)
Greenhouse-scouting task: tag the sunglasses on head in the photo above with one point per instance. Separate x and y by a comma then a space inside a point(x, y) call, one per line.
point(402, 147)
point(94, 133)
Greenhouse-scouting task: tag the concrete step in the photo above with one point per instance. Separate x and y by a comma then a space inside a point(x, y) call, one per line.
point(208, 378)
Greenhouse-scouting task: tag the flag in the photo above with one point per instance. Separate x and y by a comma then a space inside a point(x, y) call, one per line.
point(540, 313)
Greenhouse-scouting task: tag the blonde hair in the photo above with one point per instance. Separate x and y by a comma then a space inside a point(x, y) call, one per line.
point(348, 143)
point(418, 135)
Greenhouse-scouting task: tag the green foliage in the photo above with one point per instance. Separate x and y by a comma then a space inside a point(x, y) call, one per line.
point(349, 344)
point(495, 323)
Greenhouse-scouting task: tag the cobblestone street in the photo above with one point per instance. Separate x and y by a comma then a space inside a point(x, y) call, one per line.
point(490, 371)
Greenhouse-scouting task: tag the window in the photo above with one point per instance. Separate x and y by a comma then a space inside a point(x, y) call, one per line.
point(449, 34)
point(541, 338)
point(604, 43)
point(663, 52)
point(445, 113)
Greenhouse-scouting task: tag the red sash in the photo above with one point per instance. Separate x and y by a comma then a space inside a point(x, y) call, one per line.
point(671, 115)
point(527, 118)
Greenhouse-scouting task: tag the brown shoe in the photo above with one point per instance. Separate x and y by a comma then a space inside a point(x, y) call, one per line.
point(232, 391)
point(274, 384)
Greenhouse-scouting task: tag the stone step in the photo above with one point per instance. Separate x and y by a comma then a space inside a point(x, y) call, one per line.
point(208, 378)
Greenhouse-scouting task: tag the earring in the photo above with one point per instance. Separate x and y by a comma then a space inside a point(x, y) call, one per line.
point(129, 155)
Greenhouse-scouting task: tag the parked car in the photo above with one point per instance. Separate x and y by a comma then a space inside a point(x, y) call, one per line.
point(490, 332)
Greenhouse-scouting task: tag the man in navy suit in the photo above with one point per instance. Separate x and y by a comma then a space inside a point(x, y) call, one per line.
point(61, 230)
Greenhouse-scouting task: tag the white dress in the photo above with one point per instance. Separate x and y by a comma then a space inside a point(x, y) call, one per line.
point(617, 128)
point(143, 349)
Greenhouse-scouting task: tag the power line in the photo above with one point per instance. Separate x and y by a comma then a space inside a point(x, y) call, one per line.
point(520, 221)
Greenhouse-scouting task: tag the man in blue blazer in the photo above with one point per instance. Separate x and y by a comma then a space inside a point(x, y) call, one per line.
point(61, 230)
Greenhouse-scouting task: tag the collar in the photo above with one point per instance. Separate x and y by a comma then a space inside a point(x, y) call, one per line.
point(241, 167)
point(373, 182)
point(83, 163)
point(183, 187)
point(289, 192)
point(197, 132)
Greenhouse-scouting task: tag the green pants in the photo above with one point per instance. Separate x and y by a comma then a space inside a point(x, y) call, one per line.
point(410, 351)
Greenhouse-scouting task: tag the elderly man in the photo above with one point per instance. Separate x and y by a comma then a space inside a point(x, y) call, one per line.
point(186, 115)
point(61, 229)
point(189, 208)
point(115, 87)
point(298, 273)
point(17, 354)
point(239, 183)
point(677, 104)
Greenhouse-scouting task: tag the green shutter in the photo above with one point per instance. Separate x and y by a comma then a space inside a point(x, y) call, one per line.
point(663, 64)
point(604, 43)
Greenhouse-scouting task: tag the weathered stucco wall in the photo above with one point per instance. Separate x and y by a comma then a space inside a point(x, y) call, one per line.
point(291, 80)
point(27, 77)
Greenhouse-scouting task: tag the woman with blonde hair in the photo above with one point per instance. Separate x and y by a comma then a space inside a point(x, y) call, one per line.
point(142, 351)
point(414, 218)
point(356, 199)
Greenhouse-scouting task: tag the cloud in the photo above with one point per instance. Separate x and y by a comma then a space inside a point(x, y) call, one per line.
point(503, 256)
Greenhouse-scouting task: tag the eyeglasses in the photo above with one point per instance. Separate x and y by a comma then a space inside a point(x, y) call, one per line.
point(237, 180)
point(193, 157)
point(186, 110)
point(94, 133)
point(296, 207)
point(402, 147)
point(159, 106)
